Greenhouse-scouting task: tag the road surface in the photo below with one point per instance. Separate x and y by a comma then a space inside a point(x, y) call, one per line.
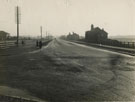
point(96, 74)
point(64, 71)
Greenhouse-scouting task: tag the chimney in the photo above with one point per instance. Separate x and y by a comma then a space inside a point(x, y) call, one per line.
point(92, 27)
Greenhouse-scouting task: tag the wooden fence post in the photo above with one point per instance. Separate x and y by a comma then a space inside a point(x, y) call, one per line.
point(133, 44)
point(128, 45)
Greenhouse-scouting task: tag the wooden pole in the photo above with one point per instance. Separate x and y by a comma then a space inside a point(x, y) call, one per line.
point(17, 15)
point(41, 32)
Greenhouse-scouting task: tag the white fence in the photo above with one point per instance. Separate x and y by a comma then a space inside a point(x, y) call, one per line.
point(6, 44)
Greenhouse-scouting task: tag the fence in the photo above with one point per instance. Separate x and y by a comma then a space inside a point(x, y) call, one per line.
point(128, 44)
point(15, 99)
point(6, 44)
point(120, 44)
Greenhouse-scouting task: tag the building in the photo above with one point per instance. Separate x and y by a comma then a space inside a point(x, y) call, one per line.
point(63, 37)
point(4, 35)
point(96, 35)
point(73, 36)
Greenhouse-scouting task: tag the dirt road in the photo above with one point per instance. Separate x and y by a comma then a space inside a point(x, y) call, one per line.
point(65, 71)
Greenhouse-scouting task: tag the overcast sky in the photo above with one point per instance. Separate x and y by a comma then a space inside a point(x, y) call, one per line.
point(59, 17)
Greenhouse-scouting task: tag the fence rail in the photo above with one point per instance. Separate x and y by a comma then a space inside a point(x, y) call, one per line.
point(6, 44)
point(120, 44)
point(128, 44)
point(4, 98)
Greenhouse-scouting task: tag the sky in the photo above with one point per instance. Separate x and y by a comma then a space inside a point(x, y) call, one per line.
point(59, 17)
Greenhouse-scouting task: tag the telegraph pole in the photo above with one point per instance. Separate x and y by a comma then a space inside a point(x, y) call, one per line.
point(17, 21)
point(46, 34)
point(41, 32)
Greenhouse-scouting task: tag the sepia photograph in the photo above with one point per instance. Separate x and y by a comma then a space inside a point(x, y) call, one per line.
point(67, 50)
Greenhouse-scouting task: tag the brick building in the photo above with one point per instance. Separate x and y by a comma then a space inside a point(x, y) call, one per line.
point(96, 35)
point(73, 36)
point(4, 35)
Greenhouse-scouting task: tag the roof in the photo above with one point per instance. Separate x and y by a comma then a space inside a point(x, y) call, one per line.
point(97, 29)
point(3, 32)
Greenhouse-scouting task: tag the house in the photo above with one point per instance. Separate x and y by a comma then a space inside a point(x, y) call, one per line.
point(4, 35)
point(73, 36)
point(96, 35)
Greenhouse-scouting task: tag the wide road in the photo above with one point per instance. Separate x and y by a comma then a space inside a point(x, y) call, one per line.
point(90, 73)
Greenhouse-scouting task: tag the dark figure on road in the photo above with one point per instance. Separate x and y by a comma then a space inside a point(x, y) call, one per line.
point(37, 43)
point(22, 42)
point(40, 44)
